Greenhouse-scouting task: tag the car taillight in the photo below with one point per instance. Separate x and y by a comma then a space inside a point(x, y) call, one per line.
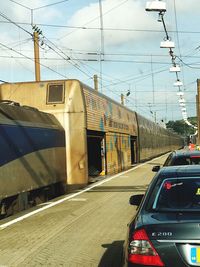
point(141, 250)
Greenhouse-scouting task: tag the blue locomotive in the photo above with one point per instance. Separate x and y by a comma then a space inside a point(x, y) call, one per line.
point(32, 159)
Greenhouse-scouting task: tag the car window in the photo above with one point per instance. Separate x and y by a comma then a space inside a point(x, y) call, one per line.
point(191, 160)
point(195, 160)
point(168, 160)
point(177, 194)
point(181, 161)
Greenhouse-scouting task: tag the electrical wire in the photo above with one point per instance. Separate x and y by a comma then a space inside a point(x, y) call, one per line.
point(65, 58)
point(11, 49)
point(38, 7)
point(53, 49)
point(107, 12)
point(188, 65)
point(5, 17)
point(53, 4)
point(105, 28)
point(138, 78)
point(19, 4)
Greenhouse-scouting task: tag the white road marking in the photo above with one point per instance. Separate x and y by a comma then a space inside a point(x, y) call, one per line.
point(76, 199)
point(68, 197)
point(42, 204)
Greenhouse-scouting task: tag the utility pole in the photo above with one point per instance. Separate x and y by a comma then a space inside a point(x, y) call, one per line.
point(198, 111)
point(102, 41)
point(122, 99)
point(36, 53)
point(95, 82)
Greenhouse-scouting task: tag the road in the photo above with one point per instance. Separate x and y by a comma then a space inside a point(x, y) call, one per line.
point(86, 229)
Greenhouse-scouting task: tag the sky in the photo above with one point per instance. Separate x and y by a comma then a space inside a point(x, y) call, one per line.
point(115, 39)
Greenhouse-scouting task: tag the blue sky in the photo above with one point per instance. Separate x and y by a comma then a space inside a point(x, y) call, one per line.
point(130, 40)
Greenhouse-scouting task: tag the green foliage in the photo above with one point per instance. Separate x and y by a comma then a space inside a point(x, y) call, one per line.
point(181, 127)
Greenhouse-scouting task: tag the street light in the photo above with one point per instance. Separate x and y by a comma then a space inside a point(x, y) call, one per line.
point(182, 104)
point(178, 83)
point(175, 68)
point(157, 6)
point(160, 7)
point(180, 93)
point(167, 44)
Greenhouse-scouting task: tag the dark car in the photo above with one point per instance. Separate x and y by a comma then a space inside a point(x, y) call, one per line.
point(166, 228)
point(181, 157)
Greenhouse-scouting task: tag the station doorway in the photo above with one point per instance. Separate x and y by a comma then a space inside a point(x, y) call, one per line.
point(96, 153)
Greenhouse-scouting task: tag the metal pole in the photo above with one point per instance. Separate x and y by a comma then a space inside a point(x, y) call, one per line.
point(36, 55)
point(198, 111)
point(155, 116)
point(122, 99)
point(95, 82)
point(102, 42)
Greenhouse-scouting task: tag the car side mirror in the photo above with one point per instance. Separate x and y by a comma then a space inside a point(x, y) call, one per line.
point(136, 199)
point(156, 168)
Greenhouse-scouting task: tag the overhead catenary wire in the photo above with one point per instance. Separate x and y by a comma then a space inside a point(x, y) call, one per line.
point(105, 13)
point(36, 8)
point(105, 28)
point(110, 61)
point(78, 60)
point(65, 57)
point(11, 49)
point(8, 19)
point(101, 57)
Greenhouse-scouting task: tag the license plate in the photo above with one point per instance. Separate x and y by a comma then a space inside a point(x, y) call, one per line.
point(195, 254)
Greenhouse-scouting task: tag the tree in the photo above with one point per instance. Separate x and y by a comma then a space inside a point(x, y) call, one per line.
point(181, 127)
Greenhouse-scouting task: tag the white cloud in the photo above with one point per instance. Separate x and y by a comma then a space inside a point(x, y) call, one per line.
point(13, 37)
point(22, 12)
point(191, 6)
point(129, 15)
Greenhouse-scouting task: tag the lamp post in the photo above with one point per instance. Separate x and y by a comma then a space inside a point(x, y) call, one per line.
point(160, 7)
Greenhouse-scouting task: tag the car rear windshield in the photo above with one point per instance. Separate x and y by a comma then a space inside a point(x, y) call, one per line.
point(177, 194)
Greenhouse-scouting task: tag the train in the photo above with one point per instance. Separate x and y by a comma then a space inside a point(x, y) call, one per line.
point(70, 133)
point(32, 156)
point(154, 140)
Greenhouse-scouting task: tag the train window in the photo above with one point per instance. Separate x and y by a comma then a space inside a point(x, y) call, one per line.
point(55, 93)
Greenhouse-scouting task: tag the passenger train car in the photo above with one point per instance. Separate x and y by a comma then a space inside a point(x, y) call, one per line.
point(101, 135)
point(154, 140)
point(32, 158)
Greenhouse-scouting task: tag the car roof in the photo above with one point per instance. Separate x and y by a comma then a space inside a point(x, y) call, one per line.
point(179, 171)
point(185, 153)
